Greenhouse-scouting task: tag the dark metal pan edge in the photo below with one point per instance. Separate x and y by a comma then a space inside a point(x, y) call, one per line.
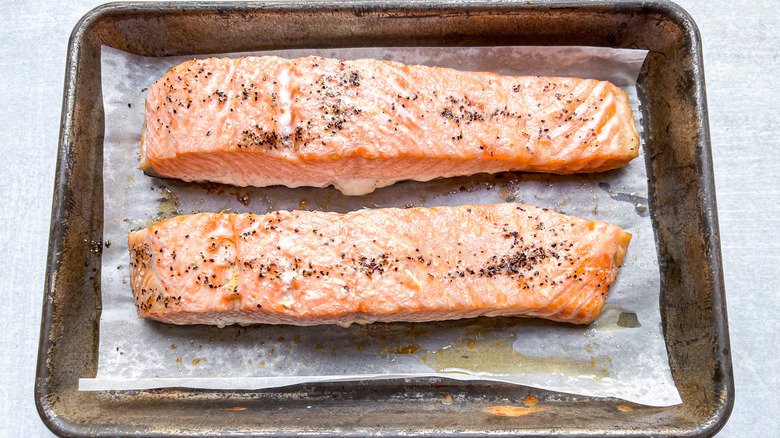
point(61, 426)
point(720, 414)
point(43, 394)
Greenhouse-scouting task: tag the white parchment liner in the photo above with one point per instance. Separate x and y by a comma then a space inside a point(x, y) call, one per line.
point(621, 355)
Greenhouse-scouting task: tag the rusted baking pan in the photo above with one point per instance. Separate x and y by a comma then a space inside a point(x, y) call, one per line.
point(682, 199)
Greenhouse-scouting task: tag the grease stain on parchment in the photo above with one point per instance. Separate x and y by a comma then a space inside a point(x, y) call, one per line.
point(166, 208)
point(616, 318)
point(474, 353)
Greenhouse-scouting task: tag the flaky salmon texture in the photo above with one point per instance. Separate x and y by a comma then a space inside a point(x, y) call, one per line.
point(363, 124)
point(307, 268)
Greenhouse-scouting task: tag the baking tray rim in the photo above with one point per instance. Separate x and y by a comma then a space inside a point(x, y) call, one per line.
point(711, 425)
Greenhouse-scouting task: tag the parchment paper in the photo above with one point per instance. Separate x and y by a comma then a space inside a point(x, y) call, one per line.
point(621, 355)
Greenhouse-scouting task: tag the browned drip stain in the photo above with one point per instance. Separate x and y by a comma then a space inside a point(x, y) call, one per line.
point(234, 409)
point(213, 188)
point(198, 360)
point(530, 400)
point(624, 408)
point(244, 198)
point(387, 351)
point(513, 411)
point(407, 349)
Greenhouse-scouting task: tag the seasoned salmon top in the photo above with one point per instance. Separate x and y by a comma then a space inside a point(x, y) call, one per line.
point(416, 264)
point(367, 123)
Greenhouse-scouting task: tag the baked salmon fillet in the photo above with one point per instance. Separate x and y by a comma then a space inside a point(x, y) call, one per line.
point(384, 265)
point(363, 124)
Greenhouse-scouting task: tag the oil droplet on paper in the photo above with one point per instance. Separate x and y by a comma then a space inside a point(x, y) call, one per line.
point(640, 202)
point(507, 195)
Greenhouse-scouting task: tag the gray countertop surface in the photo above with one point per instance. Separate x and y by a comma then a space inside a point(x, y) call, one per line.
point(741, 65)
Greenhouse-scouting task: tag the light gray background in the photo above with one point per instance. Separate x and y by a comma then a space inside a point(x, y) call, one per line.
point(741, 65)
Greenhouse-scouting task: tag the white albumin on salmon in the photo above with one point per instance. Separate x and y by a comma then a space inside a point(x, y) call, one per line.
point(363, 124)
point(307, 268)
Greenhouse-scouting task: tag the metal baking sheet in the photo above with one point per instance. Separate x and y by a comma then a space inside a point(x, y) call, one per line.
point(680, 195)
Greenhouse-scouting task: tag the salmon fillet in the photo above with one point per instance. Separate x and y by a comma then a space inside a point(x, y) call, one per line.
point(307, 268)
point(363, 124)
